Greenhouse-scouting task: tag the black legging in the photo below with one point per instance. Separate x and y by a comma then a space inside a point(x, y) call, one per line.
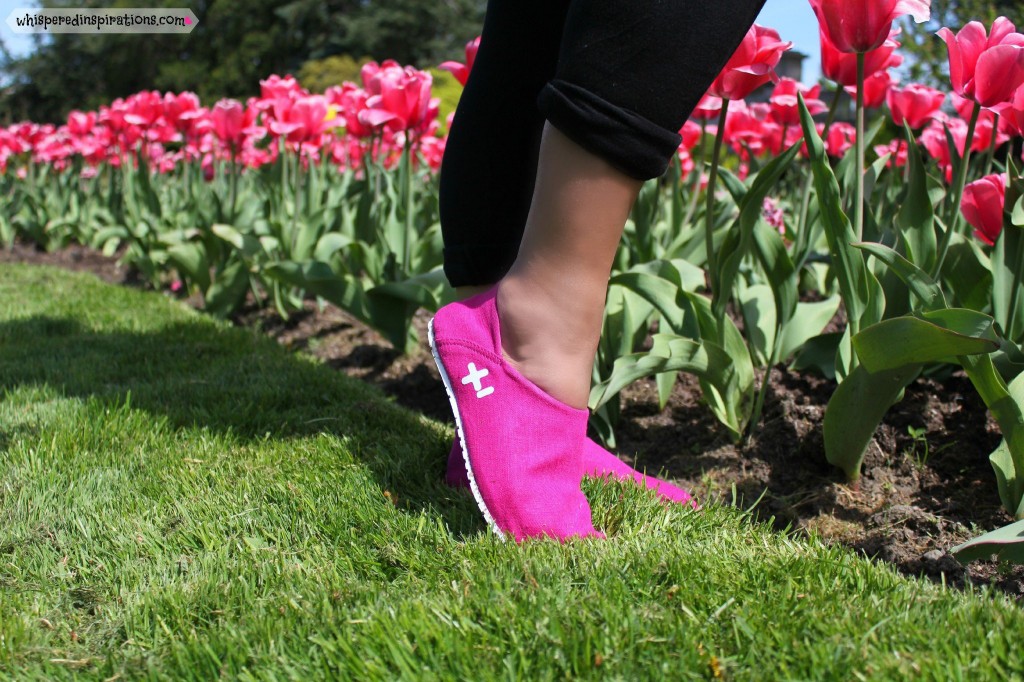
point(618, 77)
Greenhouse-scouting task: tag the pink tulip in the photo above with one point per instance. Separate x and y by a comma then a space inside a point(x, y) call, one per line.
point(229, 120)
point(985, 68)
point(915, 104)
point(276, 87)
point(708, 108)
point(178, 107)
point(1011, 114)
point(841, 67)
point(784, 103)
point(933, 139)
point(897, 149)
point(301, 121)
point(144, 108)
point(350, 99)
point(80, 123)
point(982, 206)
point(461, 71)
point(863, 25)
point(752, 65)
point(773, 214)
point(399, 98)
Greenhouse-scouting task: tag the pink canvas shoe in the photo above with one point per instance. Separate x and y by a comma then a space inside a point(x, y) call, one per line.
point(523, 450)
point(597, 463)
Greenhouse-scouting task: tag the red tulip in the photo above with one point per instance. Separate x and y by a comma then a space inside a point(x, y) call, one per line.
point(461, 71)
point(784, 101)
point(752, 65)
point(982, 206)
point(691, 134)
point(840, 138)
point(747, 128)
point(915, 104)
point(876, 86)
point(985, 68)
point(841, 67)
point(864, 25)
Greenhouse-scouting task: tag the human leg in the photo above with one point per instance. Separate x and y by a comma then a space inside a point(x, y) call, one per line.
point(594, 155)
point(490, 158)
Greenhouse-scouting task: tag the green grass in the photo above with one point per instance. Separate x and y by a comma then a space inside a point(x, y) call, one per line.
point(181, 500)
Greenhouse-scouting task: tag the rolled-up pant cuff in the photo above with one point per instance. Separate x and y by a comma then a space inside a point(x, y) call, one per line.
point(631, 143)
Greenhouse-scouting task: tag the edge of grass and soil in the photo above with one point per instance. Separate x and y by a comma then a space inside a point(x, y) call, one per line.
point(183, 499)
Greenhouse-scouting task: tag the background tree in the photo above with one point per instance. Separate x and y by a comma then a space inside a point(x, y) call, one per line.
point(927, 58)
point(235, 44)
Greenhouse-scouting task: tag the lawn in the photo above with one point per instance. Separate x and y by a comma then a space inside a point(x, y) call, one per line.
point(180, 499)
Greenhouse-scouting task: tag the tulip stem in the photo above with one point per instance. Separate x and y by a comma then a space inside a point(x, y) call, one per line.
point(858, 210)
point(298, 201)
point(755, 414)
point(991, 153)
point(409, 228)
point(698, 167)
point(709, 221)
point(234, 184)
point(958, 192)
point(1015, 289)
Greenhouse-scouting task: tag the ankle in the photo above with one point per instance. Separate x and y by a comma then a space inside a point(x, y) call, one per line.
point(543, 342)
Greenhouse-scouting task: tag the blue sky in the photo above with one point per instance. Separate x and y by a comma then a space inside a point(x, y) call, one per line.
point(17, 43)
point(793, 19)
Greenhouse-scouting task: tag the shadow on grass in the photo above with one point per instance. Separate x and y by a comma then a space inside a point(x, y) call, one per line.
point(236, 382)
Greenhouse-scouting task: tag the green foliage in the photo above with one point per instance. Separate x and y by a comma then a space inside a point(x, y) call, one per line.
point(449, 91)
point(316, 75)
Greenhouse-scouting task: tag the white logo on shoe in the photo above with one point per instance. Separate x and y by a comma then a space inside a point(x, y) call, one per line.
point(475, 377)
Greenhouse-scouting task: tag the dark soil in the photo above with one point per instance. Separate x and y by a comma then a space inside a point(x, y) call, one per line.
point(917, 498)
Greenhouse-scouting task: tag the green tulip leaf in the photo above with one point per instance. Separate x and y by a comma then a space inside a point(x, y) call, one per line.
point(1006, 403)
point(228, 289)
point(920, 283)
point(916, 218)
point(190, 259)
point(855, 410)
point(847, 261)
point(932, 337)
point(807, 322)
point(1007, 543)
point(249, 245)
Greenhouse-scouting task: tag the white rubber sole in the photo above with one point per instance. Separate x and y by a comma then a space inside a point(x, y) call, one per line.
point(461, 433)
